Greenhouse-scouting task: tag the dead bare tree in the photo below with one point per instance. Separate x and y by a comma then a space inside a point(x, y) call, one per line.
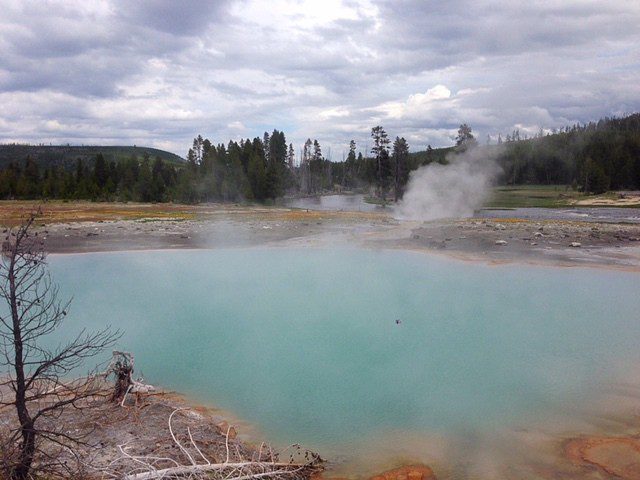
point(121, 368)
point(37, 379)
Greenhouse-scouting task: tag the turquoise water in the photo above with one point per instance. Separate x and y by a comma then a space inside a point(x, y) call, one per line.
point(304, 342)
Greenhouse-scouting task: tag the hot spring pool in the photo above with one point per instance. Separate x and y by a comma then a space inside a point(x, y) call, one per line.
point(304, 343)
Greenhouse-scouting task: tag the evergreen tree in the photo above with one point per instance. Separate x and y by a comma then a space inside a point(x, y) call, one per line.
point(380, 151)
point(350, 169)
point(29, 182)
point(315, 168)
point(595, 179)
point(158, 181)
point(257, 176)
point(144, 190)
point(291, 158)
point(465, 138)
point(401, 170)
point(198, 144)
point(276, 164)
point(100, 173)
point(305, 167)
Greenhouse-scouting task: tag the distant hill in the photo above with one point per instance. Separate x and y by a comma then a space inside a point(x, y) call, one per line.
point(66, 156)
point(439, 155)
point(593, 157)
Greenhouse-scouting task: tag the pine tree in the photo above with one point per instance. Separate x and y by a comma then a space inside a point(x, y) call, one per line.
point(100, 173)
point(380, 151)
point(350, 165)
point(197, 149)
point(305, 167)
point(401, 170)
point(291, 158)
point(315, 168)
point(465, 138)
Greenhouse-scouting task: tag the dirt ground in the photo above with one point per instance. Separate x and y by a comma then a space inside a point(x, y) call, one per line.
point(159, 429)
point(624, 199)
point(93, 227)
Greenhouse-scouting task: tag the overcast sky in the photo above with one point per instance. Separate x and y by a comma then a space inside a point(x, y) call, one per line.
point(158, 72)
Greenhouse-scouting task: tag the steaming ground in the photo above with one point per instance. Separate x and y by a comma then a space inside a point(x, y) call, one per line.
point(454, 190)
point(611, 245)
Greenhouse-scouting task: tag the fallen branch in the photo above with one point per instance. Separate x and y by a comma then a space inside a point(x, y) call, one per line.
point(268, 469)
point(149, 467)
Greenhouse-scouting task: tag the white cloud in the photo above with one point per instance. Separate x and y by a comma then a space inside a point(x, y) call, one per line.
point(53, 126)
point(236, 126)
point(336, 112)
point(301, 15)
point(159, 73)
point(417, 104)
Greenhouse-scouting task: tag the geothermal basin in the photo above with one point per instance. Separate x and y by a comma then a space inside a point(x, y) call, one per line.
point(363, 354)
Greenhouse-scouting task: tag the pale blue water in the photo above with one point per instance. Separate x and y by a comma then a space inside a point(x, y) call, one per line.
point(304, 342)
point(347, 203)
point(580, 214)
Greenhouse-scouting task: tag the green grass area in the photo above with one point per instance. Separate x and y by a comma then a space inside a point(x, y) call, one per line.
point(543, 196)
point(376, 201)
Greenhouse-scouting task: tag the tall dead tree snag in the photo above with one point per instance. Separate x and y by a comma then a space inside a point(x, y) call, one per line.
point(121, 367)
point(35, 375)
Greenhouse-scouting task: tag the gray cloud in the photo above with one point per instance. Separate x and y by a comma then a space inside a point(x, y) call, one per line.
point(160, 72)
point(185, 18)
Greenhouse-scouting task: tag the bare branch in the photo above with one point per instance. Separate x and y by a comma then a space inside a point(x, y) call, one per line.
point(146, 467)
point(33, 371)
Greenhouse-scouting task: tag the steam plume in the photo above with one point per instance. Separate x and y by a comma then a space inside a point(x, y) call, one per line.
point(450, 191)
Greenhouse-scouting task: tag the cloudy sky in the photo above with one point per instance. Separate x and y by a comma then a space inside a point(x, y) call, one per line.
point(159, 72)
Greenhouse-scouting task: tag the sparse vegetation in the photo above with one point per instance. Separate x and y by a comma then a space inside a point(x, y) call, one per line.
point(37, 377)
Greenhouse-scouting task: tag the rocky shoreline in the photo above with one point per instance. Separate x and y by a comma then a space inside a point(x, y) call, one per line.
point(504, 240)
point(151, 432)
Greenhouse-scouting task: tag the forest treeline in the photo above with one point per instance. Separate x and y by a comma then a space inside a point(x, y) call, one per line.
point(260, 170)
point(595, 157)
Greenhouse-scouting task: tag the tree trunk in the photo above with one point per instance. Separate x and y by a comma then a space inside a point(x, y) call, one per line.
point(123, 382)
point(28, 445)
point(396, 192)
point(27, 451)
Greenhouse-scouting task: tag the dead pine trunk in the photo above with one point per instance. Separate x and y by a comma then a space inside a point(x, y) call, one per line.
point(36, 374)
point(123, 381)
point(27, 431)
point(27, 452)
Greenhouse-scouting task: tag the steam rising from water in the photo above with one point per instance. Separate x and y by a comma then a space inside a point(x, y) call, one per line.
point(447, 191)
